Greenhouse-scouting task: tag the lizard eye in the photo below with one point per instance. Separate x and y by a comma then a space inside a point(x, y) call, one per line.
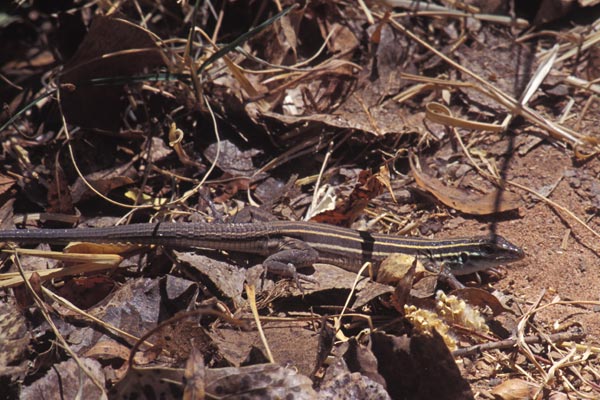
point(463, 257)
point(487, 248)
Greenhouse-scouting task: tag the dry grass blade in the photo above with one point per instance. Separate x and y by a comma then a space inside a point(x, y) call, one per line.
point(251, 292)
point(440, 114)
point(555, 130)
point(338, 319)
point(241, 39)
point(425, 9)
point(583, 84)
point(572, 48)
point(13, 279)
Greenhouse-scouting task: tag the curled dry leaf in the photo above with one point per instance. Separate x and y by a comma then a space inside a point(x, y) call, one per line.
point(108, 349)
point(468, 203)
point(396, 268)
point(424, 288)
point(346, 212)
point(482, 299)
point(514, 389)
point(409, 276)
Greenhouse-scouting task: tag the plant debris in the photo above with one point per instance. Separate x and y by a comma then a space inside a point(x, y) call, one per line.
point(397, 117)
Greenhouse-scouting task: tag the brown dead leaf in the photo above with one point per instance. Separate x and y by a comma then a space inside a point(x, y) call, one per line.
point(157, 383)
point(230, 158)
point(111, 48)
point(301, 352)
point(330, 94)
point(231, 187)
point(331, 279)
point(85, 292)
point(481, 298)
point(345, 213)
point(68, 380)
point(394, 271)
point(377, 121)
point(59, 193)
point(179, 339)
point(6, 182)
point(134, 307)
point(425, 287)
point(194, 377)
point(343, 39)
point(279, 42)
point(409, 276)
point(106, 349)
point(552, 10)
point(235, 346)
point(6, 214)
point(460, 200)
point(103, 181)
point(38, 60)
point(227, 278)
point(360, 358)
point(514, 389)
point(395, 268)
point(23, 295)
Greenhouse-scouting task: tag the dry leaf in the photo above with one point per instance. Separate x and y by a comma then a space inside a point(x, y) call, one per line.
point(194, 377)
point(111, 48)
point(460, 200)
point(514, 389)
point(345, 213)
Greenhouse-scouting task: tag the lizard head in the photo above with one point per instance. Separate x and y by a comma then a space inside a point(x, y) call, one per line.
point(485, 252)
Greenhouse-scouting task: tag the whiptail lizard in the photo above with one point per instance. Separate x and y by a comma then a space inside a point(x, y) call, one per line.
point(288, 245)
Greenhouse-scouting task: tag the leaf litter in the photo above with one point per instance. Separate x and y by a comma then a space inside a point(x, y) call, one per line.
point(129, 114)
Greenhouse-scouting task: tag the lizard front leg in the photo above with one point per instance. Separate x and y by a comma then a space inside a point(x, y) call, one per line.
point(289, 254)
